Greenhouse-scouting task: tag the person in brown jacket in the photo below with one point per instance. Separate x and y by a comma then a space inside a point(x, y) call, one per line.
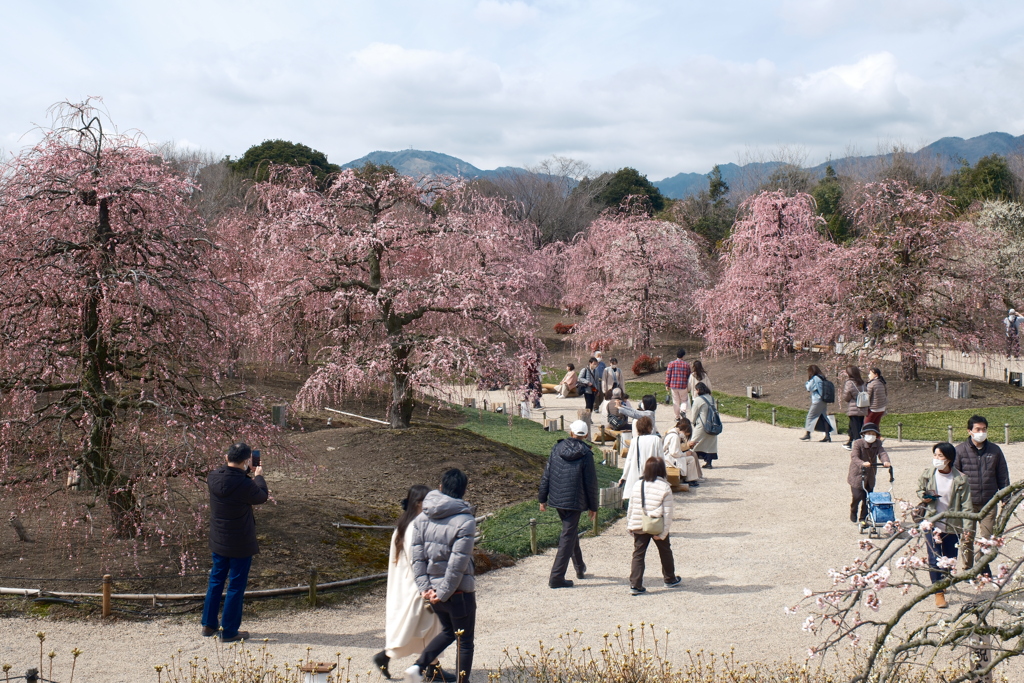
point(867, 450)
point(851, 388)
point(878, 395)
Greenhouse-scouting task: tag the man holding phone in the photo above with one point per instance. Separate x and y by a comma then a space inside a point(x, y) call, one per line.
point(232, 538)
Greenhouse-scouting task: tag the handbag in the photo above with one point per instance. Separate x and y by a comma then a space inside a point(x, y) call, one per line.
point(655, 526)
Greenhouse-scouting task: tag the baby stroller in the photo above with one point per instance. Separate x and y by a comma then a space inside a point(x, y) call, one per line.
point(881, 509)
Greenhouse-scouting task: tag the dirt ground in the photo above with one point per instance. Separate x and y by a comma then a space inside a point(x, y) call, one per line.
point(351, 472)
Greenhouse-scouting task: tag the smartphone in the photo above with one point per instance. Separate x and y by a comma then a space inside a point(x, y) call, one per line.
point(255, 459)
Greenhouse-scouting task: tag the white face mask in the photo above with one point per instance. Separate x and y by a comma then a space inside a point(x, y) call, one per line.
point(979, 437)
point(870, 438)
point(939, 463)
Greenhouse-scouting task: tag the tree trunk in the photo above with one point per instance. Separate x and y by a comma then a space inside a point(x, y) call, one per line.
point(400, 410)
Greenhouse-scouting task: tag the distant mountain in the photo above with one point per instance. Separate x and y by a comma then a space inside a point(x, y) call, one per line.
point(946, 152)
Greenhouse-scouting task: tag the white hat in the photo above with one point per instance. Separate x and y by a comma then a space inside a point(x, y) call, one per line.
point(1012, 311)
point(579, 428)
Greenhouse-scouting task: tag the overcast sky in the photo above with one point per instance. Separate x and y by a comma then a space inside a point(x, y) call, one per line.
point(664, 86)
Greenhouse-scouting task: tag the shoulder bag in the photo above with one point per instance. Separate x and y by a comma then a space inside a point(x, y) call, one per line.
point(863, 398)
point(655, 526)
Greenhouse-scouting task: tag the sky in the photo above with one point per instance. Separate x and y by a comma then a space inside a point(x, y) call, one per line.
point(663, 86)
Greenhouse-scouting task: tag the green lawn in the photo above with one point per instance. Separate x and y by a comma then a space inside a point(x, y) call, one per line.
point(916, 426)
point(508, 531)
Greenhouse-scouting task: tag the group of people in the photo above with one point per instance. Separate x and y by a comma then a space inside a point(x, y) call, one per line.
point(961, 479)
point(865, 402)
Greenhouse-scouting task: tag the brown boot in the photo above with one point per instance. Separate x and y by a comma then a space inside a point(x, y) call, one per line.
point(940, 600)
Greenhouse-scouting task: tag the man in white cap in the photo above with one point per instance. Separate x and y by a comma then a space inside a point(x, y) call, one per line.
point(1012, 322)
point(569, 484)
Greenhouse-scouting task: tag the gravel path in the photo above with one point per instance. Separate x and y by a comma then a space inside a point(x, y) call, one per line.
point(771, 519)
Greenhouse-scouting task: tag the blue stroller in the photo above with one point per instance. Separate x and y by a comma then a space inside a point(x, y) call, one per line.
point(881, 508)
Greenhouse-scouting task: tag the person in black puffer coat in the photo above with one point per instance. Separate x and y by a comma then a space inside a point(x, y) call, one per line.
point(232, 539)
point(569, 485)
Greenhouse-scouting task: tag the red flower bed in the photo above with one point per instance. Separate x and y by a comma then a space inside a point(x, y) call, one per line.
point(563, 328)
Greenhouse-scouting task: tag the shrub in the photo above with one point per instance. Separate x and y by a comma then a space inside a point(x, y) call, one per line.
point(563, 328)
point(645, 364)
point(599, 344)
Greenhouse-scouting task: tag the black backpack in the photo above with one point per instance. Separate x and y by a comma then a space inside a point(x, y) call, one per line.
point(828, 391)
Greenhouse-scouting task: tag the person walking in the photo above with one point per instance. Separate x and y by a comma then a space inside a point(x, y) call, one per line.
point(1012, 322)
point(569, 484)
point(984, 465)
point(644, 446)
point(942, 488)
point(866, 453)
point(408, 625)
point(677, 380)
point(817, 414)
point(677, 453)
point(697, 375)
point(649, 518)
point(232, 539)
point(611, 378)
point(442, 565)
point(588, 383)
point(599, 384)
point(853, 387)
point(878, 397)
point(703, 444)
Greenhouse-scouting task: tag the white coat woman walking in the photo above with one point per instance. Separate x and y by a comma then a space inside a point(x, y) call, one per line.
point(650, 501)
point(409, 622)
point(641, 449)
point(703, 444)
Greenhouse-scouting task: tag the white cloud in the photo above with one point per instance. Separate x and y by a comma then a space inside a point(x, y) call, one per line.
point(508, 14)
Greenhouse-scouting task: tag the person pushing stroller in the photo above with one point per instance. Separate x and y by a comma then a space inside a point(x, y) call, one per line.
point(864, 457)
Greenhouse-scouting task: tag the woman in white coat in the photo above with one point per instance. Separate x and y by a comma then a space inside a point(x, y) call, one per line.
point(678, 454)
point(651, 496)
point(409, 623)
point(642, 448)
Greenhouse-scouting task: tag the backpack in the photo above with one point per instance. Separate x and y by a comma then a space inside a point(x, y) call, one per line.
point(863, 398)
point(713, 422)
point(828, 391)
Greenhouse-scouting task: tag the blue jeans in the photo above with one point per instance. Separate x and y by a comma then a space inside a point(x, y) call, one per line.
point(235, 572)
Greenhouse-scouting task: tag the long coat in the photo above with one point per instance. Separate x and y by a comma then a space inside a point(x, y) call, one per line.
point(699, 410)
point(863, 452)
point(641, 449)
point(408, 624)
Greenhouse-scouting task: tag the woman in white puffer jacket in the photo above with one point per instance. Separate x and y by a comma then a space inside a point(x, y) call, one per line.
point(652, 496)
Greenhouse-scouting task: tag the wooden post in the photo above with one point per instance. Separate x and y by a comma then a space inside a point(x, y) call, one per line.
point(533, 536)
point(774, 410)
point(561, 423)
point(107, 584)
point(313, 576)
point(748, 412)
point(949, 433)
point(1006, 434)
point(936, 386)
point(899, 431)
point(277, 414)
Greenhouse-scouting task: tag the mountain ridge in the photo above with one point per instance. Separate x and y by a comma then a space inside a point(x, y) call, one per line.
point(947, 152)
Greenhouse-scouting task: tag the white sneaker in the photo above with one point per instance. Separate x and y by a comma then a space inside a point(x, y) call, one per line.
point(413, 674)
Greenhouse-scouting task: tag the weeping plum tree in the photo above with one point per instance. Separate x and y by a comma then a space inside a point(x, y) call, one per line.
point(112, 323)
point(764, 296)
point(402, 285)
point(914, 276)
point(630, 274)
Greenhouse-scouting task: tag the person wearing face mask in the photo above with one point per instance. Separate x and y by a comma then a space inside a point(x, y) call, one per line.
point(878, 397)
point(867, 451)
point(985, 466)
point(942, 488)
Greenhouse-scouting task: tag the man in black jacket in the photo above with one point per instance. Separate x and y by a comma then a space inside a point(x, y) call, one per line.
point(232, 539)
point(985, 466)
point(569, 485)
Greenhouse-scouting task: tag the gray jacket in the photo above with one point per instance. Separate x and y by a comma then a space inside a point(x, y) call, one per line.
point(879, 395)
point(442, 546)
point(849, 397)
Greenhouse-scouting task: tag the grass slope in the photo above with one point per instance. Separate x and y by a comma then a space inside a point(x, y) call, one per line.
point(508, 531)
point(916, 426)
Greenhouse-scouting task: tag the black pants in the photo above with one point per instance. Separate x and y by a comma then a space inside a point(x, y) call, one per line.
point(588, 398)
point(458, 613)
point(860, 500)
point(946, 547)
point(856, 422)
point(568, 545)
point(636, 567)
